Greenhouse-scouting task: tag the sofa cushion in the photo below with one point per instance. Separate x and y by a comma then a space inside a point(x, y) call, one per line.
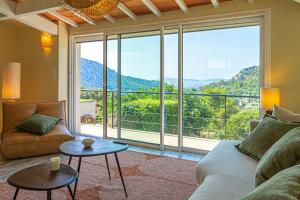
point(39, 124)
point(14, 136)
point(18, 144)
point(16, 113)
point(283, 154)
point(285, 185)
point(54, 109)
point(59, 133)
point(268, 131)
point(225, 174)
point(285, 115)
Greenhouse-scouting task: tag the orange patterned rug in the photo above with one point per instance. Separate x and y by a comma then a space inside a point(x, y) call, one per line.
point(147, 177)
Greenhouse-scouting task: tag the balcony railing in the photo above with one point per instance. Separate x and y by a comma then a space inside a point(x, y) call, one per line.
point(212, 116)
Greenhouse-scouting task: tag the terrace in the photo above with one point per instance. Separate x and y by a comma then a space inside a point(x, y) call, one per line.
point(201, 133)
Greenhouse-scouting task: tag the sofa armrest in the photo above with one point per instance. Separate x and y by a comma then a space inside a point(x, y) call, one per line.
point(253, 124)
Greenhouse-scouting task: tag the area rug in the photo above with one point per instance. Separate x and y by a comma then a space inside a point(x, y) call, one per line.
point(147, 177)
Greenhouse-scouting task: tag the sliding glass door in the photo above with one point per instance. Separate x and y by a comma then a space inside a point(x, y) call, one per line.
point(112, 86)
point(90, 99)
point(181, 87)
point(140, 97)
point(171, 128)
point(220, 84)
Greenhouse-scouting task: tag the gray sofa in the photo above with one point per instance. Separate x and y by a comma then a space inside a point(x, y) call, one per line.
point(225, 173)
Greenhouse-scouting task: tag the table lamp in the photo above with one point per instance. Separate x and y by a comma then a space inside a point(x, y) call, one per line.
point(11, 82)
point(269, 97)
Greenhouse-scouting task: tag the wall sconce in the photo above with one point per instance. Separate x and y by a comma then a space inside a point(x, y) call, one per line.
point(11, 82)
point(269, 97)
point(46, 41)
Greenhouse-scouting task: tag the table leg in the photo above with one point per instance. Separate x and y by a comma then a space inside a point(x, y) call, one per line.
point(107, 166)
point(71, 193)
point(70, 160)
point(49, 195)
point(16, 194)
point(119, 168)
point(78, 171)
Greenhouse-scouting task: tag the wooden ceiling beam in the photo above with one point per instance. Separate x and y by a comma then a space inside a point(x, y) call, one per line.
point(182, 5)
point(7, 7)
point(215, 3)
point(63, 18)
point(36, 7)
point(81, 16)
point(40, 23)
point(126, 10)
point(110, 18)
point(34, 21)
point(85, 18)
point(152, 7)
point(4, 17)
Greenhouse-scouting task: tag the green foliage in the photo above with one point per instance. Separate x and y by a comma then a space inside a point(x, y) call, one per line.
point(208, 112)
point(238, 124)
point(245, 82)
point(197, 114)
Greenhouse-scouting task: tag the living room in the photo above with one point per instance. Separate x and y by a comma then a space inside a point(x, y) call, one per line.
point(150, 99)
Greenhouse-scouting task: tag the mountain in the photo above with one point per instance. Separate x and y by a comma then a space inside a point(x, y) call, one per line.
point(246, 82)
point(191, 83)
point(91, 74)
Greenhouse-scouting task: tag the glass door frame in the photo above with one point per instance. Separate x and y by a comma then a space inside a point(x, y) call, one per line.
point(161, 84)
point(74, 80)
point(262, 19)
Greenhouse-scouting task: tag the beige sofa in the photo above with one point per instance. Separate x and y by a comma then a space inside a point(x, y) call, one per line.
point(225, 173)
point(17, 144)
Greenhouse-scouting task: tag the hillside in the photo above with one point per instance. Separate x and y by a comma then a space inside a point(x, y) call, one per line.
point(91, 78)
point(191, 83)
point(246, 82)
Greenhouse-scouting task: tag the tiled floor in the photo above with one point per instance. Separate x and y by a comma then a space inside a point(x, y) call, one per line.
point(173, 154)
point(150, 137)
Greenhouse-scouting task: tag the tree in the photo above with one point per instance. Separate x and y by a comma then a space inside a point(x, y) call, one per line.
point(238, 124)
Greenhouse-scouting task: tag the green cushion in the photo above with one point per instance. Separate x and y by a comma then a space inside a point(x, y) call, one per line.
point(285, 185)
point(39, 124)
point(267, 132)
point(283, 154)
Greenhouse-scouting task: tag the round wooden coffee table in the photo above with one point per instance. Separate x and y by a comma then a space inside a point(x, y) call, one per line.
point(100, 147)
point(41, 178)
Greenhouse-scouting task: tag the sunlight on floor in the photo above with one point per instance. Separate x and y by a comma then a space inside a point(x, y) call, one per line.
point(150, 137)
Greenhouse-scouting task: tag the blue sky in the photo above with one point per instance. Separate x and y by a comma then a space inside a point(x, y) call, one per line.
point(207, 54)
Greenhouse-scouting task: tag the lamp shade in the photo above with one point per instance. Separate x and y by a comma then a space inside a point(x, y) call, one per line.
point(11, 82)
point(46, 40)
point(269, 97)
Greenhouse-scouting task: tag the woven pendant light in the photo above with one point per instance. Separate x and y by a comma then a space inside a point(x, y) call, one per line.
point(101, 8)
point(79, 4)
point(92, 8)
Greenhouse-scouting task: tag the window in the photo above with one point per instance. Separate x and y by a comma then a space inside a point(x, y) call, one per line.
point(90, 104)
point(112, 86)
point(218, 66)
point(171, 87)
point(140, 99)
point(220, 83)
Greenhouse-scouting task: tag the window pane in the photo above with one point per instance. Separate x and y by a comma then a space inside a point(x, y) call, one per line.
point(140, 100)
point(112, 82)
point(91, 104)
point(221, 84)
point(171, 87)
